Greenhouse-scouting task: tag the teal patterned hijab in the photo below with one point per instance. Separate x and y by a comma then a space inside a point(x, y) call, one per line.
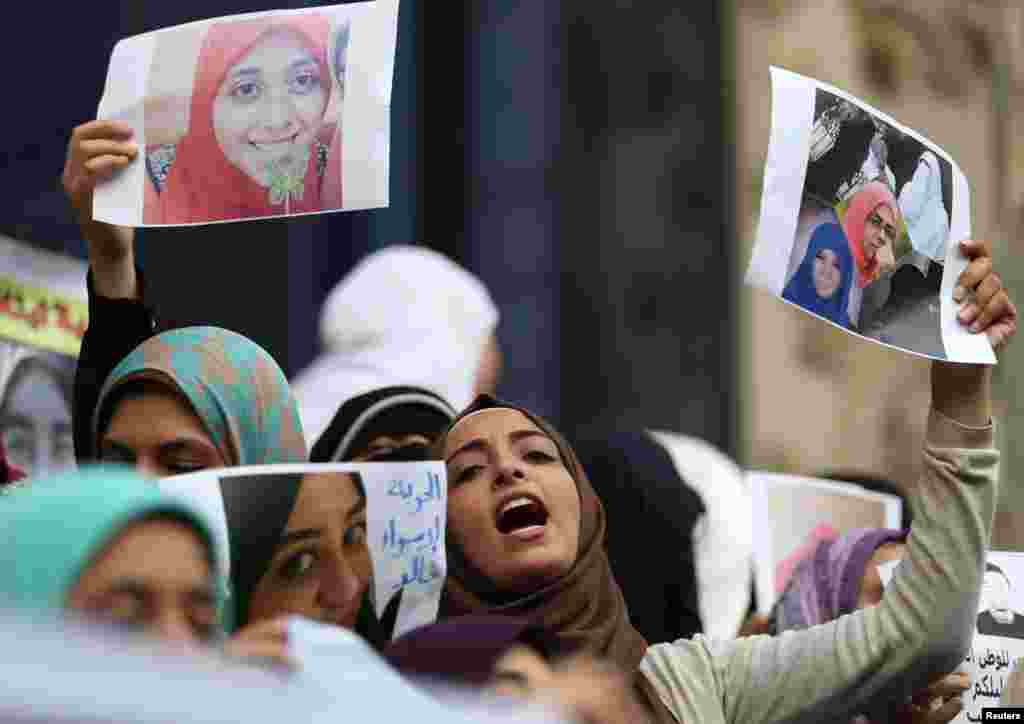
point(51, 529)
point(233, 385)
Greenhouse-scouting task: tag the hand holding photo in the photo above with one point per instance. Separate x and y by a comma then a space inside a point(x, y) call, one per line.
point(861, 223)
point(252, 116)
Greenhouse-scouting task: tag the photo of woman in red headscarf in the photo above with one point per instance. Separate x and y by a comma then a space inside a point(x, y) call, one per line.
point(258, 133)
point(872, 226)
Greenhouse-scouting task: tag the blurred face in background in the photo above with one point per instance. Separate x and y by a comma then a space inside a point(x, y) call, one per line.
point(154, 430)
point(154, 577)
point(35, 420)
point(871, 588)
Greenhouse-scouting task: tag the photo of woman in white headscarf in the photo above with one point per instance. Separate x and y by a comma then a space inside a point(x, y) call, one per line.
point(35, 408)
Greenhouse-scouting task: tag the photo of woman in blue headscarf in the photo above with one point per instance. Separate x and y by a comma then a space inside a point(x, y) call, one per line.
point(822, 282)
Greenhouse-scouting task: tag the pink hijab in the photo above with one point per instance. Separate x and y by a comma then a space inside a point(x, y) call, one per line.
point(865, 201)
point(202, 184)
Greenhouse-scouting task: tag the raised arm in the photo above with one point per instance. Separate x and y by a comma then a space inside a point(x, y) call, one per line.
point(97, 151)
point(921, 629)
point(118, 319)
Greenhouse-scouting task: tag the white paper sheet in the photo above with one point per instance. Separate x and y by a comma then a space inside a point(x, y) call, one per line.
point(61, 673)
point(825, 148)
point(792, 513)
point(405, 513)
point(150, 85)
point(407, 521)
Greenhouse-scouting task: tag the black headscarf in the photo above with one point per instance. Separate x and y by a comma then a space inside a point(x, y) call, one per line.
point(465, 649)
point(391, 411)
point(647, 501)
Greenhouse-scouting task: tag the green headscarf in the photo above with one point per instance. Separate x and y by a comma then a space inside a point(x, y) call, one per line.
point(52, 529)
point(232, 384)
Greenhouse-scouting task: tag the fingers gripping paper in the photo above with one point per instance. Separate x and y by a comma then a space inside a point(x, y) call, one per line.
point(253, 116)
point(860, 223)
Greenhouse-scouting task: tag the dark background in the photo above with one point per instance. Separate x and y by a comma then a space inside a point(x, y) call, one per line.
point(574, 155)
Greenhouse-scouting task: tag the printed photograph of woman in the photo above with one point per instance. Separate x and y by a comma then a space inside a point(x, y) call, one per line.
point(260, 131)
point(35, 408)
point(822, 282)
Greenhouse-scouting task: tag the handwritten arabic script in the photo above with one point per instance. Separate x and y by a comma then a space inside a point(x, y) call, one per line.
point(407, 529)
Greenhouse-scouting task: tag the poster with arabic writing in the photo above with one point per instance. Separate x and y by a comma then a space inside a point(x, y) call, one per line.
point(999, 639)
point(43, 316)
point(329, 542)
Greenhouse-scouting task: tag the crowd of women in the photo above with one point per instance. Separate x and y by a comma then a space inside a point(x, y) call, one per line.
point(547, 596)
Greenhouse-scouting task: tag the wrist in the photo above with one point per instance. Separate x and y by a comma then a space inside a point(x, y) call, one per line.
point(963, 392)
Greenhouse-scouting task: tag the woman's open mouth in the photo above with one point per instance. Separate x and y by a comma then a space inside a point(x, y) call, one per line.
point(522, 516)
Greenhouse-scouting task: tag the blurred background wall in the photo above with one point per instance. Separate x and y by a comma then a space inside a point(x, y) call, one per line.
point(952, 70)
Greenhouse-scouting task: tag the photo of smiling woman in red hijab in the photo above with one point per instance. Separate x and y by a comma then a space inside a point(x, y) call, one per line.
point(258, 138)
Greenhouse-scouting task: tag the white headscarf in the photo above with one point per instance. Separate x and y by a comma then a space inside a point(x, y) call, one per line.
point(723, 541)
point(404, 315)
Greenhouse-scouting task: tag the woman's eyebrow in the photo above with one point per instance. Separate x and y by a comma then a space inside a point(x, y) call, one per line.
point(304, 60)
point(245, 72)
point(523, 434)
point(477, 444)
point(515, 677)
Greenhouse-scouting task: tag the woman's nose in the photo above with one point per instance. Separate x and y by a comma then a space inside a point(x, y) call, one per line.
point(174, 631)
point(279, 112)
point(340, 587)
point(510, 471)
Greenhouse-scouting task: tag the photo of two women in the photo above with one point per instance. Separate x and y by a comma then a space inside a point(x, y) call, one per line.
point(873, 229)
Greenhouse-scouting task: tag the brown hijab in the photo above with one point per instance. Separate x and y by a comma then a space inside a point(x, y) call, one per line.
point(585, 609)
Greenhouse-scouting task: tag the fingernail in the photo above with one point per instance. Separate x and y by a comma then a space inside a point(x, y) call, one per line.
point(959, 293)
point(969, 312)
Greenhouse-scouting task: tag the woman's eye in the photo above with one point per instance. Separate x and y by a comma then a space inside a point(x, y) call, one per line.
point(356, 535)
point(305, 82)
point(297, 566)
point(181, 467)
point(246, 91)
point(124, 611)
point(467, 473)
point(539, 456)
